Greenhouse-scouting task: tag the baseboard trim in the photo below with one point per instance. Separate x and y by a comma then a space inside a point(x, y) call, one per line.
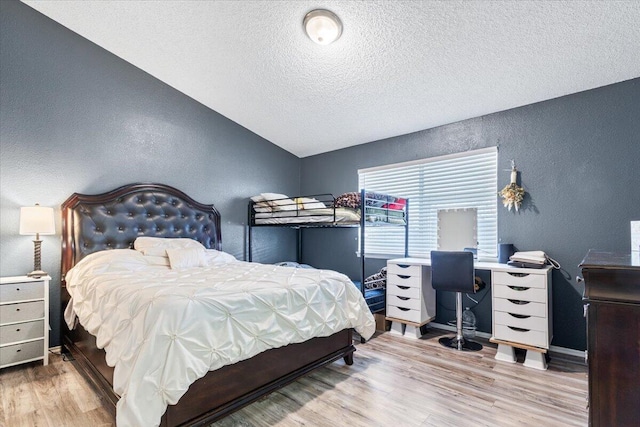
point(55, 349)
point(568, 351)
point(553, 349)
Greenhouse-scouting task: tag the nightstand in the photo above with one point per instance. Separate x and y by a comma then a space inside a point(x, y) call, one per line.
point(24, 320)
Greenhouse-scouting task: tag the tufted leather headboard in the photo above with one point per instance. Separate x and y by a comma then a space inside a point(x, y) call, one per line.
point(113, 220)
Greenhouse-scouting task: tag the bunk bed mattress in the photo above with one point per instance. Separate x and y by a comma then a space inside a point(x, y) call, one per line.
point(326, 215)
point(154, 322)
point(329, 215)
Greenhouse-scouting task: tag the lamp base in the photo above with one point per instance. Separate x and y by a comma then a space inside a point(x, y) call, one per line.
point(36, 274)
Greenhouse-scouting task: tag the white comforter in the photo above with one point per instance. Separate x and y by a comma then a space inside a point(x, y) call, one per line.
point(163, 329)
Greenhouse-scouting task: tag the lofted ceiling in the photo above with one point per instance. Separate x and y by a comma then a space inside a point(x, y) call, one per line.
point(399, 67)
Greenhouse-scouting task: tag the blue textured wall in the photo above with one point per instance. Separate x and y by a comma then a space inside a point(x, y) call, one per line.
point(75, 118)
point(579, 158)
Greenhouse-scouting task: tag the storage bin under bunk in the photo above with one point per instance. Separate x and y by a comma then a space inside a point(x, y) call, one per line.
point(375, 298)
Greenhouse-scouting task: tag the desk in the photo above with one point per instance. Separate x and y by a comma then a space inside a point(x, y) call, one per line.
point(521, 305)
point(478, 265)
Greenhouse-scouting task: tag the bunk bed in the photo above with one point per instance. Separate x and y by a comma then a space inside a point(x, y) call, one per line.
point(349, 210)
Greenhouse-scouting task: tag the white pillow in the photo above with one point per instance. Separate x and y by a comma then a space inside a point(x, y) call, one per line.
point(157, 246)
point(261, 209)
point(157, 260)
point(291, 207)
point(262, 206)
point(215, 257)
point(271, 196)
point(309, 203)
point(279, 201)
point(258, 198)
point(185, 258)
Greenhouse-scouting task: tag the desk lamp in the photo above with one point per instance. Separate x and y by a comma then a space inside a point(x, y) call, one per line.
point(37, 220)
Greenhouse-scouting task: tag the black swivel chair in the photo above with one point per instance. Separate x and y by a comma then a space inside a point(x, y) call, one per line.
point(453, 272)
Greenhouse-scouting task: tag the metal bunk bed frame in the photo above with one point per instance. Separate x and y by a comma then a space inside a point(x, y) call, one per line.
point(363, 223)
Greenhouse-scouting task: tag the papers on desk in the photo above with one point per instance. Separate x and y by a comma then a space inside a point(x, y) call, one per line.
point(530, 259)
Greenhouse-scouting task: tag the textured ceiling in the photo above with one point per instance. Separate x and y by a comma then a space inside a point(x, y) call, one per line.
point(399, 67)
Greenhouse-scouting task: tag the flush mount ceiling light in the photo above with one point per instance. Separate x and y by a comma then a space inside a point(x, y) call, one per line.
point(322, 26)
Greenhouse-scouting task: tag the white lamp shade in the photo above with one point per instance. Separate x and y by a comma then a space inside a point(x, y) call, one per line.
point(37, 220)
point(322, 26)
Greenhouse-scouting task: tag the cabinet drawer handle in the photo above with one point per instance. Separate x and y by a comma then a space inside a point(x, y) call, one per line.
point(402, 298)
point(404, 288)
point(517, 274)
point(17, 309)
point(18, 350)
point(403, 309)
point(518, 302)
point(403, 265)
point(18, 330)
point(403, 277)
point(17, 289)
point(518, 329)
point(518, 288)
point(519, 316)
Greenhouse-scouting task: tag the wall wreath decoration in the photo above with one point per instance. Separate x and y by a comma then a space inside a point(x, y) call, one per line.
point(512, 194)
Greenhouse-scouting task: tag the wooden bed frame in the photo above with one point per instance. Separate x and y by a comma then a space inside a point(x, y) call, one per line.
point(113, 220)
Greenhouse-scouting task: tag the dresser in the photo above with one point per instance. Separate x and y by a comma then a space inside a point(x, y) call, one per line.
point(522, 314)
point(411, 301)
point(612, 308)
point(24, 320)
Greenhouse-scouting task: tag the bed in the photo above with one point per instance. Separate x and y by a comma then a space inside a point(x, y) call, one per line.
point(106, 225)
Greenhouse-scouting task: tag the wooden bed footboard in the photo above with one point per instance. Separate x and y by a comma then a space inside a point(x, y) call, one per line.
point(223, 391)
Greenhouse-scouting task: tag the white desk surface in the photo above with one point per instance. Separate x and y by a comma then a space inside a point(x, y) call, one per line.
point(478, 265)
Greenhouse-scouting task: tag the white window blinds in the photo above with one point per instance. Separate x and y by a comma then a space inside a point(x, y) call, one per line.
point(457, 181)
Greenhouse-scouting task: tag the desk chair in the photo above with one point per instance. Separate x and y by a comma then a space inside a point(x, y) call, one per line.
point(453, 272)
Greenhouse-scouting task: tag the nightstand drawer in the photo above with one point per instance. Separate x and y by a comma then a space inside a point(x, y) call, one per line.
point(403, 291)
point(520, 307)
point(522, 336)
point(528, 281)
point(520, 293)
point(21, 352)
point(521, 321)
point(400, 301)
point(404, 270)
point(21, 332)
point(407, 281)
point(21, 291)
point(404, 313)
point(21, 312)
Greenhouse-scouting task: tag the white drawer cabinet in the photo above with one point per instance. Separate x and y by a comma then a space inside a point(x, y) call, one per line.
point(24, 320)
point(410, 298)
point(522, 307)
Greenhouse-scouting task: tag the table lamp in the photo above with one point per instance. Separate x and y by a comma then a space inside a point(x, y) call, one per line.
point(37, 220)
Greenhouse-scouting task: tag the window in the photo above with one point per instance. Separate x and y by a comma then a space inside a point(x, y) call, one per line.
point(457, 181)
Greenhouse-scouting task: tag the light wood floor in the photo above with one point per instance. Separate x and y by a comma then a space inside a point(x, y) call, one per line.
point(394, 382)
